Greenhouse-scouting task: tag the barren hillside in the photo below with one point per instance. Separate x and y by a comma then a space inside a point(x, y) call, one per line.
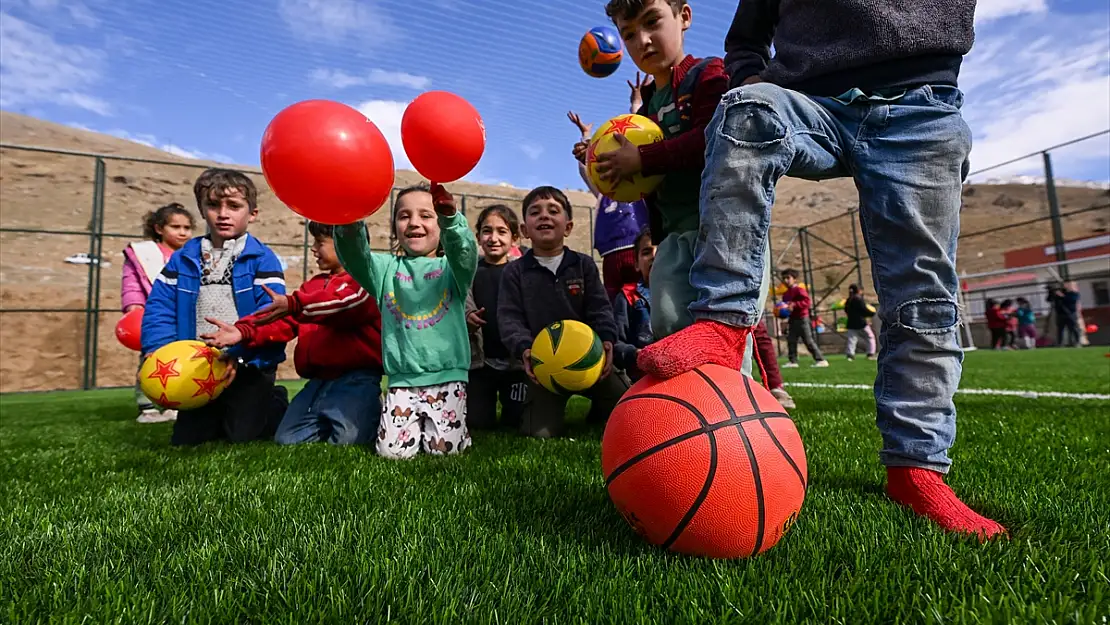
point(55, 191)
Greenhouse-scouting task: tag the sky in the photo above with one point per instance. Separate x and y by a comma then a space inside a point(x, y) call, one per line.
point(203, 78)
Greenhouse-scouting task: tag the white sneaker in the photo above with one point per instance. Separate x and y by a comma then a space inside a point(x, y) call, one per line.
point(169, 415)
point(790, 365)
point(784, 398)
point(153, 415)
point(820, 363)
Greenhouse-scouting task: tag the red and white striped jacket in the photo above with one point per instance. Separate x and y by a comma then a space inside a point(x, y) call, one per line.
point(338, 325)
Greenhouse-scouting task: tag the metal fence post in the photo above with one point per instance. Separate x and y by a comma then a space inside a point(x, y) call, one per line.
point(304, 258)
point(855, 248)
point(92, 294)
point(1054, 213)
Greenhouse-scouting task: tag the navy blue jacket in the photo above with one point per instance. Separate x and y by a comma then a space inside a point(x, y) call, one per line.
point(171, 309)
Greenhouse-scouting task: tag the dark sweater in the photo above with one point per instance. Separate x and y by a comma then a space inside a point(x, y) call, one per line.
point(487, 283)
point(856, 310)
point(827, 47)
point(532, 298)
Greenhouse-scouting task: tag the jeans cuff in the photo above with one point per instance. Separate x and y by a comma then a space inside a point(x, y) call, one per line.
point(735, 319)
point(914, 464)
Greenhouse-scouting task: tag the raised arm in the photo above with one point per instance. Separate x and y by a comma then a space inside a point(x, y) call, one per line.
point(352, 245)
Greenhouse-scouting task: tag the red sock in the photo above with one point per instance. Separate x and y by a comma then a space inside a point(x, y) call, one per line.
point(704, 342)
point(925, 492)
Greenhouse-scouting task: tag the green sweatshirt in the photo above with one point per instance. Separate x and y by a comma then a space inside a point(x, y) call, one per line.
point(422, 300)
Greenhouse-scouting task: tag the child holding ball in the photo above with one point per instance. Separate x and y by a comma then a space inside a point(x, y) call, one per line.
point(166, 230)
point(421, 294)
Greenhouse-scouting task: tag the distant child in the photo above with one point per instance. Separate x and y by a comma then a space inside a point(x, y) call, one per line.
point(769, 365)
point(1065, 305)
point(165, 230)
point(339, 350)
point(553, 283)
point(616, 224)
point(1027, 323)
point(858, 326)
point(797, 298)
point(422, 295)
point(494, 373)
point(221, 277)
point(632, 309)
point(681, 98)
point(1010, 313)
point(996, 323)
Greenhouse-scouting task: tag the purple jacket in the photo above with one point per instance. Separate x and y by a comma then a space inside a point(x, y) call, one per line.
point(616, 224)
point(135, 286)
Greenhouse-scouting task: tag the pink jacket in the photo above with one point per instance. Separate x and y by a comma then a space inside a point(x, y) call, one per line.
point(135, 286)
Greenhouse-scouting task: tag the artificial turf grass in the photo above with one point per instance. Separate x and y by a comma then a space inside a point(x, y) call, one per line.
point(102, 519)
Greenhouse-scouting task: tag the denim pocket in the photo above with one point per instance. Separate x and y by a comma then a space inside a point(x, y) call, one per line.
point(944, 96)
point(753, 123)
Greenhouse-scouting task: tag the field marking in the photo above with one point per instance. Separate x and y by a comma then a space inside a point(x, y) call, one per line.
point(969, 391)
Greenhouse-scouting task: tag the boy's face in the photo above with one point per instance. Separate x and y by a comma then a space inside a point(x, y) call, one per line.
point(645, 257)
point(547, 224)
point(416, 226)
point(323, 250)
point(654, 37)
point(789, 281)
point(227, 214)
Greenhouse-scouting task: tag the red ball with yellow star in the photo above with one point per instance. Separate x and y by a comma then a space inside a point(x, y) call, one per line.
point(183, 375)
point(639, 130)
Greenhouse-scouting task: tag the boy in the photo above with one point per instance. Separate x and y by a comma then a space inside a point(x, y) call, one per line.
point(221, 276)
point(551, 283)
point(681, 98)
point(632, 309)
point(866, 89)
point(797, 298)
point(858, 312)
point(339, 350)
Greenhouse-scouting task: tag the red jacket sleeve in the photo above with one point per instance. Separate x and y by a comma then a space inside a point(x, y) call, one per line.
point(687, 150)
point(338, 301)
point(254, 336)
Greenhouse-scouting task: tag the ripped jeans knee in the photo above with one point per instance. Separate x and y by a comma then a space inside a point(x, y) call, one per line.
point(927, 316)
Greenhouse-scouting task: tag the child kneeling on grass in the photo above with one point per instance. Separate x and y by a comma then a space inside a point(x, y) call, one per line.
point(424, 340)
point(339, 351)
point(221, 276)
point(553, 283)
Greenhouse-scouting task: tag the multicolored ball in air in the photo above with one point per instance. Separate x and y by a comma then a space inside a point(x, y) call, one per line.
point(600, 51)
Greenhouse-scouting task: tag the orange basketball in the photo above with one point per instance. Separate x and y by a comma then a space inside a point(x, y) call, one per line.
point(706, 463)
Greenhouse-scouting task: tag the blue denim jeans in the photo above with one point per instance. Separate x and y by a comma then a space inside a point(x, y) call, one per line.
point(908, 157)
point(342, 411)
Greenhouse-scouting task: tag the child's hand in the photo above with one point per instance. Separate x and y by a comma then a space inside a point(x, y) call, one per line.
point(635, 99)
point(131, 307)
point(583, 127)
point(527, 360)
point(580, 150)
point(232, 368)
point(275, 309)
point(608, 367)
point(623, 162)
point(226, 336)
point(475, 321)
point(442, 200)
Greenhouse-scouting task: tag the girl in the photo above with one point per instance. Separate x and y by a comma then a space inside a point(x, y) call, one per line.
point(1027, 323)
point(166, 230)
point(996, 323)
point(422, 295)
point(494, 371)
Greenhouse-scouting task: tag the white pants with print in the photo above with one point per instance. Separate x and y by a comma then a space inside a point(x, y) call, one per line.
point(432, 418)
point(855, 335)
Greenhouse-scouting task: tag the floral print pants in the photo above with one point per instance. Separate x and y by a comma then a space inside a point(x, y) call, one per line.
point(432, 418)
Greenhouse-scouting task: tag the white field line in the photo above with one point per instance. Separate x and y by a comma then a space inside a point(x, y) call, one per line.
point(969, 391)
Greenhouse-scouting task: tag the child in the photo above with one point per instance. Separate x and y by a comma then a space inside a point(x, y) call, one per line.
point(221, 276)
point(1027, 323)
point(339, 350)
point(1010, 313)
point(616, 224)
point(996, 323)
point(424, 345)
point(861, 89)
point(681, 98)
point(632, 309)
point(166, 230)
point(552, 283)
point(858, 313)
point(797, 298)
point(493, 372)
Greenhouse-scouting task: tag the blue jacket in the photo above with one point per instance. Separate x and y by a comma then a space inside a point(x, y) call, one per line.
point(171, 309)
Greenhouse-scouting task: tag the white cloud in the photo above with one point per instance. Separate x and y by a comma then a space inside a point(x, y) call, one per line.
point(386, 115)
point(342, 80)
point(1036, 82)
point(531, 150)
point(336, 21)
point(36, 69)
point(987, 10)
point(152, 141)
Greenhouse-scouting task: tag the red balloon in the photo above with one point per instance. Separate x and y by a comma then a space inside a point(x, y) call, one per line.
point(443, 135)
point(327, 162)
point(129, 330)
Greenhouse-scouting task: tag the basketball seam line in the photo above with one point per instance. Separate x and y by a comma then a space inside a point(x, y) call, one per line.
point(757, 482)
point(709, 475)
point(628, 464)
point(775, 440)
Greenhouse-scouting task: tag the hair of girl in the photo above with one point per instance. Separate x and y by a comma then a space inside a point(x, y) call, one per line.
point(160, 218)
point(394, 240)
point(505, 213)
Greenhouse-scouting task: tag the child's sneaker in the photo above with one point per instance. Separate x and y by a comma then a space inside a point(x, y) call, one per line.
point(790, 365)
point(820, 363)
point(169, 415)
point(850, 358)
point(784, 398)
point(872, 357)
point(153, 415)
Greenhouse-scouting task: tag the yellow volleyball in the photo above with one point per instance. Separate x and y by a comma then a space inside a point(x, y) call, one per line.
point(640, 131)
point(183, 375)
point(567, 357)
